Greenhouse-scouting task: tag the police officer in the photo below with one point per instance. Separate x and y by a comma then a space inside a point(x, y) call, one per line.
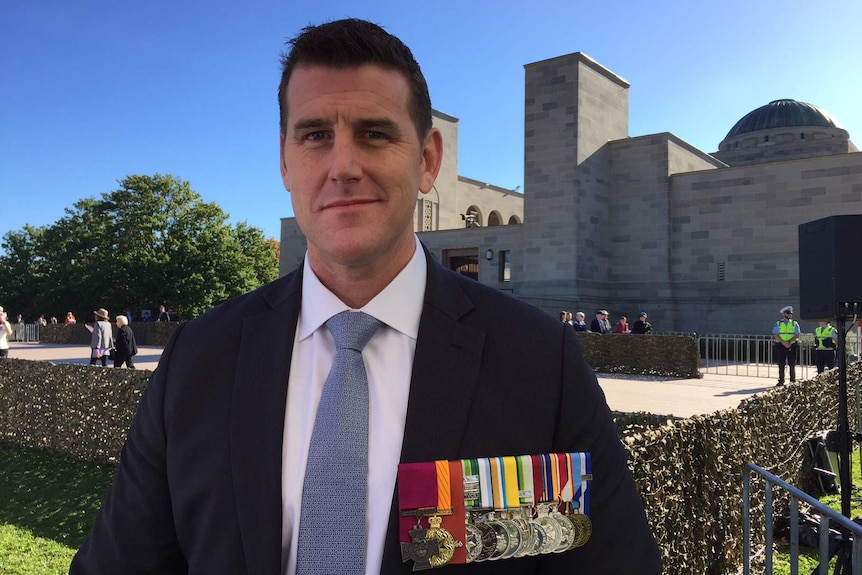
point(826, 338)
point(786, 334)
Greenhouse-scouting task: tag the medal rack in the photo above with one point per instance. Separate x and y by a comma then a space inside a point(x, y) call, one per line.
point(487, 509)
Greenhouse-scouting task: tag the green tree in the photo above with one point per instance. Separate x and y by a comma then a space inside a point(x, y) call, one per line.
point(152, 241)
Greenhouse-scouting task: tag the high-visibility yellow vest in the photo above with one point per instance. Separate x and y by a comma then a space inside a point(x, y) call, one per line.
point(824, 337)
point(787, 330)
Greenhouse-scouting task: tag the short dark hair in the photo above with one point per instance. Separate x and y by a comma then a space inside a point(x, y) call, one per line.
point(351, 43)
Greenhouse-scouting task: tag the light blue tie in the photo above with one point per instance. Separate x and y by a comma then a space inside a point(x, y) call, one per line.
point(332, 536)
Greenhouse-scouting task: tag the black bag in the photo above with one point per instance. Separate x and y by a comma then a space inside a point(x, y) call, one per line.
point(112, 354)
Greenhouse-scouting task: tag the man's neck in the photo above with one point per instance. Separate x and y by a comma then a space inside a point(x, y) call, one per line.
point(356, 285)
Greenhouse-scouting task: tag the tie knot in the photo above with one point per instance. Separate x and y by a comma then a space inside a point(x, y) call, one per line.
point(352, 329)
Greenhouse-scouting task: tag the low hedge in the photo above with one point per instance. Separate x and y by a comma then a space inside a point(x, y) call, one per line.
point(146, 333)
point(666, 355)
point(80, 410)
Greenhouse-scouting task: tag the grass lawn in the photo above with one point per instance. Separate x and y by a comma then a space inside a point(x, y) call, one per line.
point(808, 558)
point(46, 509)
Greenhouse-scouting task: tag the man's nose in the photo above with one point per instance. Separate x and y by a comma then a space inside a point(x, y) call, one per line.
point(346, 164)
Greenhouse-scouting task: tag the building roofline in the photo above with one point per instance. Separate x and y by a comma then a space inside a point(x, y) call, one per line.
point(443, 116)
point(590, 63)
point(487, 186)
point(788, 161)
point(680, 142)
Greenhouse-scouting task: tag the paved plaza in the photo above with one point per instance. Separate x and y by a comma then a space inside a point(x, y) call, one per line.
point(664, 396)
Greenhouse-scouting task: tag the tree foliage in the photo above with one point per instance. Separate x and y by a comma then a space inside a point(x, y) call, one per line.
point(153, 241)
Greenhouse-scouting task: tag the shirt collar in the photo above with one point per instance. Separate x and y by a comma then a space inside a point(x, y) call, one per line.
point(398, 305)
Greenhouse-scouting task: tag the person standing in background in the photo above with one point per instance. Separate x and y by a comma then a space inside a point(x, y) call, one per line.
point(580, 323)
point(622, 325)
point(826, 340)
point(5, 332)
point(102, 338)
point(642, 326)
point(786, 334)
point(601, 323)
point(125, 346)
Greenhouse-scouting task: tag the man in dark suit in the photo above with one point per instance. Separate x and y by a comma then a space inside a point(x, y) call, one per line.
point(601, 324)
point(211, 478)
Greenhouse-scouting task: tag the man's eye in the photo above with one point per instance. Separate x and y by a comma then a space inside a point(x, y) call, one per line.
point(373, 135)
point(315, 136)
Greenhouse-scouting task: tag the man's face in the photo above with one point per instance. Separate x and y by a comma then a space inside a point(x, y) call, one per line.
point(788, 315)
point(353, 163)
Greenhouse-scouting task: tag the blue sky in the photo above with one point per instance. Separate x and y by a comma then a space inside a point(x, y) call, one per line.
point(93, 91)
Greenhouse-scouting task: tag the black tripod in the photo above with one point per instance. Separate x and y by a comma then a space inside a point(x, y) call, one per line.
point(844, 552)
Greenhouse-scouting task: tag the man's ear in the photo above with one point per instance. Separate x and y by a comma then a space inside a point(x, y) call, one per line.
point(432, 159)
point(285, 177)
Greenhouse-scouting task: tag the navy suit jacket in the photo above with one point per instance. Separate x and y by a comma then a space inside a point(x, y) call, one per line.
point(198, 487)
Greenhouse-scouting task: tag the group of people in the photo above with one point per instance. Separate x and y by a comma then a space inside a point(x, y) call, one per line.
point(602, 325)
point(70, 319)
point(576, 321)
point(104, 346)
point(787, 334)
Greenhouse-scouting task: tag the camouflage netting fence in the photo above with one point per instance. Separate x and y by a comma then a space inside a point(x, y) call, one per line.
point(689, 471)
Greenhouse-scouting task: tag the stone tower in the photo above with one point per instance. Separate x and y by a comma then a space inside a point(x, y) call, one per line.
point(573, 108)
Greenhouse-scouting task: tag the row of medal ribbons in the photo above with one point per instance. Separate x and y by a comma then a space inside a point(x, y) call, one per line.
point(493, 508)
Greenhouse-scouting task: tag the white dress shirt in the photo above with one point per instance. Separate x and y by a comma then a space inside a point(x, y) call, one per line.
point(389, 363)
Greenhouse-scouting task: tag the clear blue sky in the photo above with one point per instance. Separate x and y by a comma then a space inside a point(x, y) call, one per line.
point(93, 91)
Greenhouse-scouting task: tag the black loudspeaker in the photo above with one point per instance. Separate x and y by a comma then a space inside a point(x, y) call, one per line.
point(830, 274)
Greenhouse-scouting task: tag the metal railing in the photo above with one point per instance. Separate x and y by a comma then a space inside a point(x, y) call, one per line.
point(753, 355)
point(27, 332)
point(827, 516)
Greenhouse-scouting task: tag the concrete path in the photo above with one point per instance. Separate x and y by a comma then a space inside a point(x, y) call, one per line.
point(680, 397)
point(663, 396)
point(147, 358)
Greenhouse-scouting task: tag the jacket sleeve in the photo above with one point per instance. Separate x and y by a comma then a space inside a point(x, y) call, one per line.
point(134, 530)
point(622, 541)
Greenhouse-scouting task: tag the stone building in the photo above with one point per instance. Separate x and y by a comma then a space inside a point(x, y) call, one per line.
point(703, 242)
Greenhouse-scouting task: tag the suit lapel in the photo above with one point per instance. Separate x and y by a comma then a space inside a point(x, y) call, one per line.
point(445, 371)
point(257, 423)
point(445, 374)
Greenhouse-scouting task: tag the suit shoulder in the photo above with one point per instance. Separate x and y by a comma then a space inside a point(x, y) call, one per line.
point(264, 298)
point(507, 308)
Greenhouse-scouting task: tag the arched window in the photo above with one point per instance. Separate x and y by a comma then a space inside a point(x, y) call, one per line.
point(514, 220)
point(494, 219)
point(472, 217)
